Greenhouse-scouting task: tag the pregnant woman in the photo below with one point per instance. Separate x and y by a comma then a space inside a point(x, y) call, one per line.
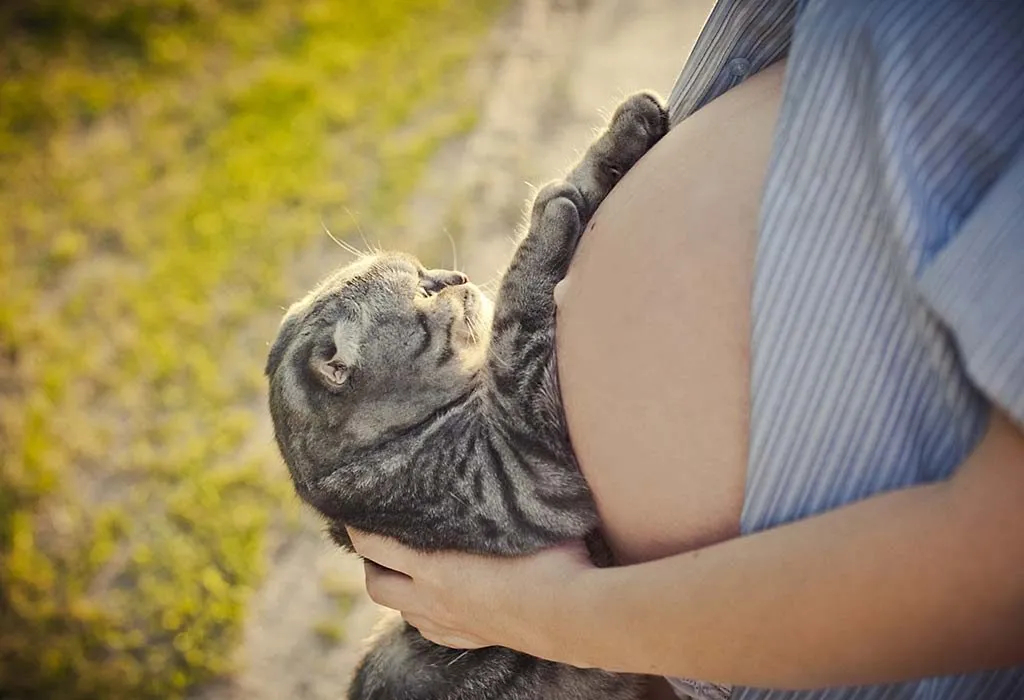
point(791, 351)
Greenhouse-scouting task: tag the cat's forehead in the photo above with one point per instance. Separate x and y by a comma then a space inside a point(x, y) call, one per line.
point(376, 270)
point(372, 266)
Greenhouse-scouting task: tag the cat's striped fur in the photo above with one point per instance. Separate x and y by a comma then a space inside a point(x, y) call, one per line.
point(403, 405)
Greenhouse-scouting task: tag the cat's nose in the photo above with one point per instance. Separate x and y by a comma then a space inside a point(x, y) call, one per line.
point(436, 280)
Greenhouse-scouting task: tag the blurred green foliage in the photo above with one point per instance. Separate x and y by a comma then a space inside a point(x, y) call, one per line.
point(161, 164)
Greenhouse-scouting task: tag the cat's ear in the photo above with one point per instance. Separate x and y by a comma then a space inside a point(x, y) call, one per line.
point(334, 367)
point(332, 372)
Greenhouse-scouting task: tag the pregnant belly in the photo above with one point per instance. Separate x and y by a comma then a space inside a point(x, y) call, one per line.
point(654, 325)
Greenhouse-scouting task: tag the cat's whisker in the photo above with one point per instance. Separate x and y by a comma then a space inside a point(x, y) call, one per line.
point(359, 229)
point(459, 657)
point(503, 363)
point(355, 251)
point(471, 326)
point(371, 249)
point(341, 244)
point(492, 285)
point(455, 255)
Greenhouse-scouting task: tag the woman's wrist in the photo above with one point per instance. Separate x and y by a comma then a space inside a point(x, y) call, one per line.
point(573, 622)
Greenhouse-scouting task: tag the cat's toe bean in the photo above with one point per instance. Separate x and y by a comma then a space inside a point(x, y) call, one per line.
point(645, 113)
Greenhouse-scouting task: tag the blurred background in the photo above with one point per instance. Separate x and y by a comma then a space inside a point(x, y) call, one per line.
point(167, 168)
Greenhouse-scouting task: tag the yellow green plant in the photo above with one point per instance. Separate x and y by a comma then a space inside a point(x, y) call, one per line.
point(162, 165)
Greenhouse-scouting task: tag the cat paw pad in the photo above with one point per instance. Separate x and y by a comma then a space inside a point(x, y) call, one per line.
point(641, 115)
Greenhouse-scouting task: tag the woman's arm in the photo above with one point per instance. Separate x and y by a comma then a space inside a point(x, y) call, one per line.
point(926, 581)
point(921, 582)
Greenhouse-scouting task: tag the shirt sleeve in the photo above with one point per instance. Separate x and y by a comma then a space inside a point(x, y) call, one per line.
point(976, 286)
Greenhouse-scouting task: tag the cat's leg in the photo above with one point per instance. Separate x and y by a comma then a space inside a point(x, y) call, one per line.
point(542, 257)
point(520, 381)
point(525, 304)
point(522, 332)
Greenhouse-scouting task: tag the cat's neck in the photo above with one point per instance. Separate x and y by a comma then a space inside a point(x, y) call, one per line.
point(407, 484)
point(365, 477)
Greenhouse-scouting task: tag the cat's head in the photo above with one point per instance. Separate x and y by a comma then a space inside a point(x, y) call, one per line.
point(377, 346)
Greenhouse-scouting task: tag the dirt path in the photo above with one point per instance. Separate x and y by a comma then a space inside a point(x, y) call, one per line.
point(548, 73)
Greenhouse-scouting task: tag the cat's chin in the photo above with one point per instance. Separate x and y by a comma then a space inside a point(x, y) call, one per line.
point(477, 312)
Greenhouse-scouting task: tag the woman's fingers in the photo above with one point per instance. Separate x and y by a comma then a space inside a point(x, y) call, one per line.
point(386, 552)
point(392, 589)
point(453, 642)
point(439, 634)
point(470, 601)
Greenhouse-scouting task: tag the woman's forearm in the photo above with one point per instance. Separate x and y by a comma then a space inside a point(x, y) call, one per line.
point(922, 582)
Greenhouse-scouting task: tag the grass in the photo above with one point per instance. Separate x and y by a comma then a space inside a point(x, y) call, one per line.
point(161, 165)
point(331, 629)
point(330, 632)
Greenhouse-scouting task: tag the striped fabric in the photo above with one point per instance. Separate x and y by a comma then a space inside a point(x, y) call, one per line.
point(888, 302)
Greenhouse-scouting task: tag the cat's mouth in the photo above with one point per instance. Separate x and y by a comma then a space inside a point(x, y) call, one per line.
point(470, 304)
point(476, 312)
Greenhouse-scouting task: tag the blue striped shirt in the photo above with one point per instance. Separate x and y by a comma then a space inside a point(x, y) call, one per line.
point(888, 300)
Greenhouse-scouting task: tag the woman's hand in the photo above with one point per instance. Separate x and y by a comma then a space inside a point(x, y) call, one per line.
point(468, 601)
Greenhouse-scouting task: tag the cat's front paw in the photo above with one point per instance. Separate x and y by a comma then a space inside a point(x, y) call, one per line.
point(637, 124)
point(558, 212)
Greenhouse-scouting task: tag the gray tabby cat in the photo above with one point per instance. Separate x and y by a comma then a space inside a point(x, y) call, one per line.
point(404, 405)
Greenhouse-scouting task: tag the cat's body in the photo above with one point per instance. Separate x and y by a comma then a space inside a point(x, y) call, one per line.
point(403, 406)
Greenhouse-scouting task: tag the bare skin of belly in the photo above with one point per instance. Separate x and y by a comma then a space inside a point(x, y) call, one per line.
point(654, 330)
